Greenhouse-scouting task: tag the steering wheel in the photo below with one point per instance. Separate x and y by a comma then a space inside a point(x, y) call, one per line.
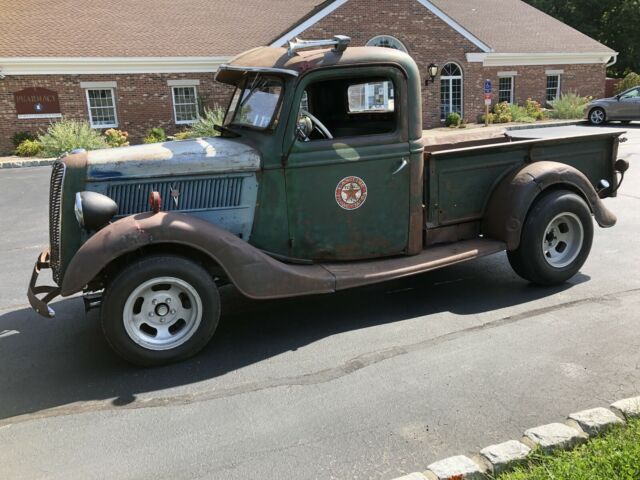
point(318, 125)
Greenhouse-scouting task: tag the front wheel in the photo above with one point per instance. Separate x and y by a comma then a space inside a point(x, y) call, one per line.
point(597, 116)
point(160, 309)
point(556, 239)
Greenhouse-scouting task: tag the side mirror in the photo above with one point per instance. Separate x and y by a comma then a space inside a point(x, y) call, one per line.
point(622, 165)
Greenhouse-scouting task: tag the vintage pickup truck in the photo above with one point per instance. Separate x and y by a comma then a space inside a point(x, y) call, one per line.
point(319, 182)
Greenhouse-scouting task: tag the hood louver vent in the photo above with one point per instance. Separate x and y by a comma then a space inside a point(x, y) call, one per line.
point(184, 195)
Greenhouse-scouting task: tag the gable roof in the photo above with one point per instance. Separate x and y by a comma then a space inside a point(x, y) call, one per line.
point(150, 28)
point(513, 26)
point(136, 31)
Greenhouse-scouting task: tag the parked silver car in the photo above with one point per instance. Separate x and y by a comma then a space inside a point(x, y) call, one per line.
point(624, 107)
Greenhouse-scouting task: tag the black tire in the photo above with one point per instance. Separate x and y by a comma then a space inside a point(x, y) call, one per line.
point(572, 218)
point(201, 296)
point(597, 116)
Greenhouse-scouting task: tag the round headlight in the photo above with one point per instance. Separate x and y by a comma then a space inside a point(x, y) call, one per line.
point(94, 210)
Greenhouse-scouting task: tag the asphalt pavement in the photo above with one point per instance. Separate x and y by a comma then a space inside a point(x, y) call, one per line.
point(370, 383)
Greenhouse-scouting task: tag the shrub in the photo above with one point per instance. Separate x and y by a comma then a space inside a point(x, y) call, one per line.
point(205, 126)
point(20, 137)
point(519, 114)
point(29, 148)
point(569, 106)
point(68, 135)
point(630, 81)
point(185, 134)
point(453, 120)
point(502, 112)
point(116, 138)
point(492, 118)
point(155, 135)
point(534, 110)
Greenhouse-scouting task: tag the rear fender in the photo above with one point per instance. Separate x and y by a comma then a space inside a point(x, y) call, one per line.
point(514, 195)
point(254, 273)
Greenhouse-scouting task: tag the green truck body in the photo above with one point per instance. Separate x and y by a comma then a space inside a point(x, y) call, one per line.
point(320, 181)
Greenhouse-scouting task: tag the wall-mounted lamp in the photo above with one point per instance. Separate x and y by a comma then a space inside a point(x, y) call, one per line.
point(432, 71)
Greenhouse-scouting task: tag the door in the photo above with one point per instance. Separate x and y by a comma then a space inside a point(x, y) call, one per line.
point(628, 106)
point(348, 196)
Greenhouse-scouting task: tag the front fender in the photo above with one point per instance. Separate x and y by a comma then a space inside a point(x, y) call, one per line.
point(254, 273)
point(514, 195)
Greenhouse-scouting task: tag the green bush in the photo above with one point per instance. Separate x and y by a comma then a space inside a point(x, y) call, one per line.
point(502, 112)
point(116, 138)
point(29, 148)
point(68, 135)
point(453, 120)
point(519, 114)
point(534, 110)
point(569, 106)
point(205, 126)
point(155, 135)
point(183, 135)
point(20, 137)
point(630, 81)
point(492, 118)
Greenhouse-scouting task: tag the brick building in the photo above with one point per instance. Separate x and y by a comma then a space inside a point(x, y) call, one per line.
point(137, 65)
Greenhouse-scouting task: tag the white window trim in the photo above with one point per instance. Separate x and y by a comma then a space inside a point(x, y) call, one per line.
point(98, 85)
point(183, 83)
point(557, 88)
point(512, 90)
point(173, 101)
point(507, 74)
point(554, 72)
point(115, 108)
point(455, 77)
point(377, 37)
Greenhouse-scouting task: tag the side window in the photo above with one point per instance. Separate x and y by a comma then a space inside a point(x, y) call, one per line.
point(635, 93)
point(371, 97)
point(347, 107)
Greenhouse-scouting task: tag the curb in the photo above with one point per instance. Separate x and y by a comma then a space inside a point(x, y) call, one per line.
point(496, 459)
point(38, 162)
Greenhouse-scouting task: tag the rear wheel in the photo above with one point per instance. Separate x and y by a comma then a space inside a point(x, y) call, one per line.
point(597, 116)
point(161, 309)
point(556, 239)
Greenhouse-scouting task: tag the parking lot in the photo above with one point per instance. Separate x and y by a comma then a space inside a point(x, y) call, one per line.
point(370, 383)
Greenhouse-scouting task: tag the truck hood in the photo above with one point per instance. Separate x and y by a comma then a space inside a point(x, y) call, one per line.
point(185, 157)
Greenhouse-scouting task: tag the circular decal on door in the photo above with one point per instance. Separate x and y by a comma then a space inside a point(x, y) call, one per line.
point(351, 193)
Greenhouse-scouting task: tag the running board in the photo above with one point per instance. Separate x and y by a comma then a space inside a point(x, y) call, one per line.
point(357, 274)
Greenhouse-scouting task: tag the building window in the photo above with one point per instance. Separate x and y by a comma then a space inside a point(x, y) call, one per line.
point(102, 107)
point(450, 90)
point(185, 104)
point(505, 89)
point(553, 87)
point(387, 41)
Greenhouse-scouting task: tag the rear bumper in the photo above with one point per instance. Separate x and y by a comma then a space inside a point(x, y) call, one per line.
point(40, 305)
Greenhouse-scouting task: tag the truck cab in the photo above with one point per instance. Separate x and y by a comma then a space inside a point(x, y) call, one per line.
point(320, 181)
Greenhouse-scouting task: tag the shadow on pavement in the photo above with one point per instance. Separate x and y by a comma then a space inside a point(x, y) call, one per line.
point(52, 363)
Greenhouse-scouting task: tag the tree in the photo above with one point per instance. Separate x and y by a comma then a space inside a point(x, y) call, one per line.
point(612, 22)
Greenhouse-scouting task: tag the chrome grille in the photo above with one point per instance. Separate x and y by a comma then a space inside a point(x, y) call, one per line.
point(55, 217)
point(196, 194)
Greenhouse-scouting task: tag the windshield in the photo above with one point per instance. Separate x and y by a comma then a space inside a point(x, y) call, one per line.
point(255, 102)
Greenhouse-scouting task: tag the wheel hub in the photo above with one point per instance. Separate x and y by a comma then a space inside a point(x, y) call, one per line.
point(562, 240)
point(162, 313)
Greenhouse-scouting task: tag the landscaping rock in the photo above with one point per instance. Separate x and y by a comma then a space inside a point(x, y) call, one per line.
point(413, 476)
point(504, 456)
point(455, 468)
point(554, 436)
point(629, 407)
point(594, 421)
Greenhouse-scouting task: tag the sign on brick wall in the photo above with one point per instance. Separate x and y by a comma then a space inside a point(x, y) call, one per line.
point(37, 102)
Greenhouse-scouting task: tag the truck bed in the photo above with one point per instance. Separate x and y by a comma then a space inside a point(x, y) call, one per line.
point(459, 180)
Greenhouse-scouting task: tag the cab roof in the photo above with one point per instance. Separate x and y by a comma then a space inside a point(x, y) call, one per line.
point(277, 60)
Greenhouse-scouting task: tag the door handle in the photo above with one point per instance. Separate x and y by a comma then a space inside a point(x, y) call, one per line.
point(401, 167)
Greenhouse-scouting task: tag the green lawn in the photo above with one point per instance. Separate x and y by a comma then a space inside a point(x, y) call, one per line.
point(615, 456)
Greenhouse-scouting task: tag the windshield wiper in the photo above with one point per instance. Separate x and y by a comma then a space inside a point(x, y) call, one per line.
point(254, 86)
